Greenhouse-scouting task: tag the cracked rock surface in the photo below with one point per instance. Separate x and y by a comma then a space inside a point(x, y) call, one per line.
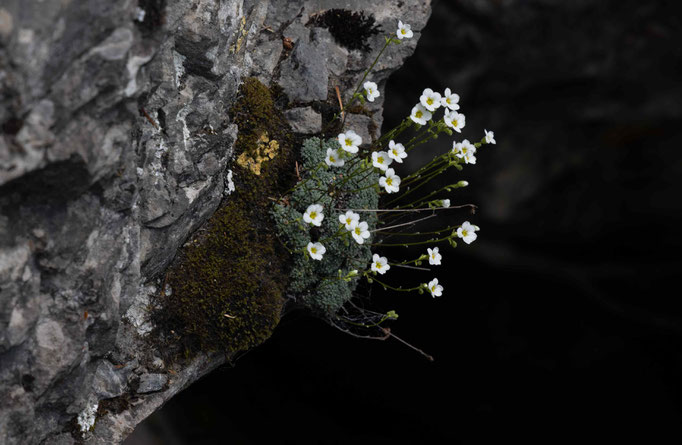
point(115, 145)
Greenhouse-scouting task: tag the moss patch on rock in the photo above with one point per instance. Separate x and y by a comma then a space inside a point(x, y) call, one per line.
point(225, 289)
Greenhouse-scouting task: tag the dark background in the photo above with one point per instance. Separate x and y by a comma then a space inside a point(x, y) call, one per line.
point(563, 320)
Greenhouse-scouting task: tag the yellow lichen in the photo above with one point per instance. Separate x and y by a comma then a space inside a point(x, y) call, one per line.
point(241, 33)
point(264, 151)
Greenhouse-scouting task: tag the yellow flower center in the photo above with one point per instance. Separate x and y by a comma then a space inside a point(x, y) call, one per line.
point(349, 142)
point(464, 233)
point(429, 101)
point(313, 249)
point(447, 101)
point(402, 31)
point(395, 152)
point(348, 221)
point(380, 159)
point(389, 181)
point(433, 289)
point(378, 265)
point(418, 114)
point(358, 231)
point(332, 159)
point(313, 215)
point(454, 122)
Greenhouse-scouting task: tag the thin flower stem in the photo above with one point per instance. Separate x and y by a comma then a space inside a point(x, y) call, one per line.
point(365, 325)
point(338, 233)
point(421, 132)
point(425, 199)
point(413, 267)
point(369, 70)
point(425, 181)
point(414, 261)
point(436, 162)
point(416, 243)
point(365, 188)
point(388, 286)
point(432, 232)
point(410, 223)
point(426, 134)
point(302, 183)
point(393, 133)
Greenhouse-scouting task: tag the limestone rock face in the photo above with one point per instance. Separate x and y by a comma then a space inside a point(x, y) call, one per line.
point(115, 145)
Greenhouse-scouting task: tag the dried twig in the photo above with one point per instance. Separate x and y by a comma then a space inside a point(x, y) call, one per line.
point(410, 267)
point(409, 223)
point(427, 356)
point(149, 118)
point(422, 209)
point(338, 96)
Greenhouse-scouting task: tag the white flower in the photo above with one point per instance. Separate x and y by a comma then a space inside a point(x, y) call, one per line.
point(490, 137)
point(371, 90)
point(430, 99)
point(380, 264)
point(450, 100)
point(359, 231)
point(348, 218)
point(445, 203)
point(467, 232)
point(333, 158)
point(434, 256)
point(381, 160)
point(462, 149)
point(313, 215)
point(435, 288)
point(316, 250)
point(396, 152)
point(469, 158)
point(455, 120)
point(404, 31)
point(350, 141)
point(420, 114)
point(391, 181)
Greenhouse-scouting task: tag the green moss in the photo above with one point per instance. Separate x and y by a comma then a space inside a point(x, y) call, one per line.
point(225, 291)
point(227, 284)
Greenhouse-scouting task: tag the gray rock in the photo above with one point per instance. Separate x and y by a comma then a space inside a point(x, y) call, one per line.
point(108, 381)
point(107, 165)
point(362, 125)
point(304, 120)
point(269, 54)
point(152, 383)
point(336, 57)
point(304, 76)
